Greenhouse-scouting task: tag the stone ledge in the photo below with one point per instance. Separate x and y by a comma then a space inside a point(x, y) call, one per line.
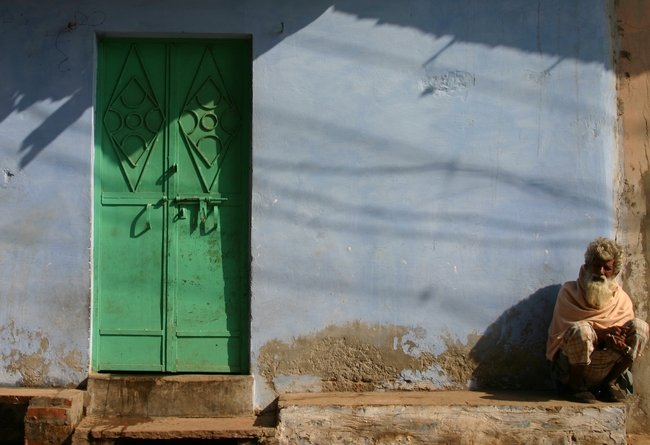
point(22, 396)
point(430, 398)
point(442, 417)
point(97, 429)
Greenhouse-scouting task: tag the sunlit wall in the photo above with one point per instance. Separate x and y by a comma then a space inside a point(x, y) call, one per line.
point(429, 166)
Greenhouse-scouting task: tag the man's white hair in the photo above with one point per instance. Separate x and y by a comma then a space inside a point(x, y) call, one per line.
point(605, 249)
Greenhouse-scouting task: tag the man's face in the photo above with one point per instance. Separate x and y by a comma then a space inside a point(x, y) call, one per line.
point(597, 280)
point(602, 269)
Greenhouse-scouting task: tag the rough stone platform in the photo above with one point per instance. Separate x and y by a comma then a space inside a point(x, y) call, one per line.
point(446, 417)
point(109, 430)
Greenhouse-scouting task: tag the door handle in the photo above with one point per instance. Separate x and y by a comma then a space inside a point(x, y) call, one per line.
point(147, 213)
point(203, 211)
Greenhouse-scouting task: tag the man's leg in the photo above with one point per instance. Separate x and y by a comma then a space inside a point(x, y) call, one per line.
point(636, 340)
point(578, 345)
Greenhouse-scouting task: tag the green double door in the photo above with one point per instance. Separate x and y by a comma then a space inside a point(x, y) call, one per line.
point(171, 214)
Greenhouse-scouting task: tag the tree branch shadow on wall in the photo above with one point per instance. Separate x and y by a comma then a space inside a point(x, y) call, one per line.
point(61, 37)
point(511, 354)
point(53, 125)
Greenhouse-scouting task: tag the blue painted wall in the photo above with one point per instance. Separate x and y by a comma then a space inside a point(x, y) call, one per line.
point(421, 164)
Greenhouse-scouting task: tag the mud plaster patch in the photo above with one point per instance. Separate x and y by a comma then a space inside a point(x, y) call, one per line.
point(33, 367)
point(365, 357)
point(359, 356)
point(28, 358)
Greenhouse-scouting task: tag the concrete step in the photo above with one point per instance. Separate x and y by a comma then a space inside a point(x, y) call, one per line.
point(446, 417)
point(110, 430)
point(167, 395)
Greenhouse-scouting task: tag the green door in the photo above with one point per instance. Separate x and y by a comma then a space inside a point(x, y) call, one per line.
point(171, 215)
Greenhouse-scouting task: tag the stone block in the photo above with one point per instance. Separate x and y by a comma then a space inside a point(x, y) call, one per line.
point(93, 430)
point(170, 395)
point(438, 418)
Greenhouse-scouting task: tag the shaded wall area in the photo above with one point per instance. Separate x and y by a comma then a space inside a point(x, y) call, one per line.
point(633, 69)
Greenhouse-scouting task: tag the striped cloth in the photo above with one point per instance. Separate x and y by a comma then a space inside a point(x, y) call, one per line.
point(580, 346)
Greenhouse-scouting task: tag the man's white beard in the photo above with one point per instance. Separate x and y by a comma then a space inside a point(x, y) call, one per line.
point(599, 290)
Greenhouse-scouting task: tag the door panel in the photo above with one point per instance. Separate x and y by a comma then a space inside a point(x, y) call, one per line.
point(171, 227)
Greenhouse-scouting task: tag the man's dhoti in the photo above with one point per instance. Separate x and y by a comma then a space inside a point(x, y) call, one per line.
point(580, 346)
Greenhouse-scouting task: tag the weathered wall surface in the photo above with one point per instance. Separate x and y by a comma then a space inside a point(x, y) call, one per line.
point(633, 29)
point(45, 152)
point(421, 191)
point(425, 175)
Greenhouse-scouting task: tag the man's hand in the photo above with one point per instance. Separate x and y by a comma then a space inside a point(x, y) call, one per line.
point(614, 337)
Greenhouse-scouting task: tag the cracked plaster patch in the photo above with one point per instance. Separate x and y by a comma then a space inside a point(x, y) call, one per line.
point(28, 357)
point(363, 357)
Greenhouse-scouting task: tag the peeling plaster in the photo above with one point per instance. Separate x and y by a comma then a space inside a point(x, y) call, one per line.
point(353, 357)
point(27, 358)
point(361, 356)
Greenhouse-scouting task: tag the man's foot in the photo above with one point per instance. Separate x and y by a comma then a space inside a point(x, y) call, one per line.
point(580, 395)
point(611, 393)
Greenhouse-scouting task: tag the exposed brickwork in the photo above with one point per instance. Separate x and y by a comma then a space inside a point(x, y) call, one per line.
point(56, 416)
point(51, 415)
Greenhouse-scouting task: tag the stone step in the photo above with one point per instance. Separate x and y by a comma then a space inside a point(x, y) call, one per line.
point(166, 395)
point(638, 439)
point(444, 417)
point(110, 430)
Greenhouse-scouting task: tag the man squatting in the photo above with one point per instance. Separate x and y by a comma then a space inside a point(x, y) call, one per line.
point(593, 337)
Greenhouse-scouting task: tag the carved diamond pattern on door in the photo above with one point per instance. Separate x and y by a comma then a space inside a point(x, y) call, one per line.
point(171, 223)
point(209, 120)
point(134, 118)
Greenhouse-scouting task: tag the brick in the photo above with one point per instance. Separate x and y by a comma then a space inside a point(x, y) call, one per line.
point(51, 416)
point(41, 413)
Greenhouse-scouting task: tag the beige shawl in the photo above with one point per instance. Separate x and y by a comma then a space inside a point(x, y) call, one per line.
point(571, 307)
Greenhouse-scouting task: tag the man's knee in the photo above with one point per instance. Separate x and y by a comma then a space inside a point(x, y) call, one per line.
point(580, 331)
point(637, 337)
point(638, 327)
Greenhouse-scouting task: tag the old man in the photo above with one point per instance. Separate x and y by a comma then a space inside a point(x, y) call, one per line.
point(594, 337)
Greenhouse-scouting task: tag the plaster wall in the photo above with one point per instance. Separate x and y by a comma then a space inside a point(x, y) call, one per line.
point(633, 64)
point(425, 176)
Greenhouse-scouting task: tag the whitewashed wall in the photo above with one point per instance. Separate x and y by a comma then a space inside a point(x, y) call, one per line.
point(427, 165)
